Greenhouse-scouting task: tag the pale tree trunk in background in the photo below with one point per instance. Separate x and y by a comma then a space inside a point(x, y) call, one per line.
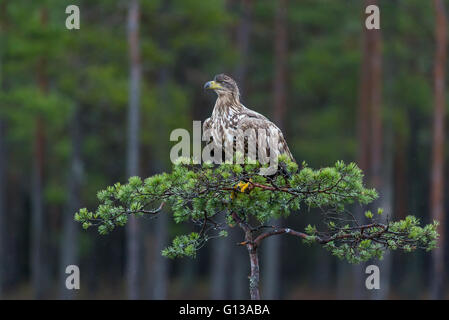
point(239, 261)
point(401, 148)
point(272, 251)
point(38, 223)
point(386, 196)
point(133, 260)
point(69, 247)
point(437, 171)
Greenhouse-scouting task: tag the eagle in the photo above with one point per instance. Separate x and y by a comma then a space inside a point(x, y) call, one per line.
point(230, 118)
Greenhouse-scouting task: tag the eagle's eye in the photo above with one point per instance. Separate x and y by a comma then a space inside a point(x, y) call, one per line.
point(226, 82)
point(221, 78)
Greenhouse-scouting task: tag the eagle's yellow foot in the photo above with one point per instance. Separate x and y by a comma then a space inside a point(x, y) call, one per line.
point(242, 187)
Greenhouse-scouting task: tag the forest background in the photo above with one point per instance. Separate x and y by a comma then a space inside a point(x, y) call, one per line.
point(83, 109)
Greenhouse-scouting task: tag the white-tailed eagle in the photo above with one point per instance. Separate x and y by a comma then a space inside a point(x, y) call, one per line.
point(230, 118)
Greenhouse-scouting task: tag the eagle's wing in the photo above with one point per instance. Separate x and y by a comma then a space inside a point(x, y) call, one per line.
point(208, 134)
point(207, 124)
point(249, 119)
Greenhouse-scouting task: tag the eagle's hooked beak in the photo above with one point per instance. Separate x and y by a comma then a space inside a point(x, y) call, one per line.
point(212, 85)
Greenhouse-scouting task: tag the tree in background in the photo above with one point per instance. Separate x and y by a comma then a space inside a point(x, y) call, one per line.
point(437, 170)
point(72, 86)
point(273, 252)
point(370, 127)
point(38, 233)
point(133, 230)
point(70, 248)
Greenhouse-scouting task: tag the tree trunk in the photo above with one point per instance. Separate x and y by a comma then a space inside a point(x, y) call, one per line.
point(132, 228)
point(69, 247)
point(401, 176)
point(385, 201)
point(254, 278)
point(243, 45)
point(272, 249)
point(437, 171)
point(254, 265)
point(369, 124)
point(363, 112)
point(253, 257)
point(38, 270)
point(37, 237)
point(380, 165)
point(280, 64)
point(376, 139)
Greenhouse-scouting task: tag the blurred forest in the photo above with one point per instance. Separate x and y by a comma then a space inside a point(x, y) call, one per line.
point(83, 109)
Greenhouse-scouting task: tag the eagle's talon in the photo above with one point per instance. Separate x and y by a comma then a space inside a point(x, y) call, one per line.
point(242, 187)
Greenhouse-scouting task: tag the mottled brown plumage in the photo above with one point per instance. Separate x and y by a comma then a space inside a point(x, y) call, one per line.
point(230, 119)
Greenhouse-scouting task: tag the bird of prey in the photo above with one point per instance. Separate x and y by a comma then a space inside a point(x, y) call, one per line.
point(231, 118)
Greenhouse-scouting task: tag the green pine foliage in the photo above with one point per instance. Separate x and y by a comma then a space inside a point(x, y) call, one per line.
point(199, 193)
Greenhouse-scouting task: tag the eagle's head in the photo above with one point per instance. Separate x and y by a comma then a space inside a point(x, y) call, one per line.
point(223, 85)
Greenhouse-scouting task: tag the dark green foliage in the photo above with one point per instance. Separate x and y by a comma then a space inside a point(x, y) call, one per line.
point(200, 193)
